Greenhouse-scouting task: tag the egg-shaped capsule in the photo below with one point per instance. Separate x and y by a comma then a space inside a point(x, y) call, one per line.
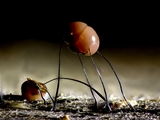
point(31, 90)
point(82, 39)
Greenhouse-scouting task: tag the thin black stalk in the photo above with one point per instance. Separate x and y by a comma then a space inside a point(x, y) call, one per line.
point(58, 82)
point(41, 95)
point(101, 79)
point(118, 81)
point(86, 76)
point(72, 79)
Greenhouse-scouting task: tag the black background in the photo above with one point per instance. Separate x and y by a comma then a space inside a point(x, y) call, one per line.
point(117, 24)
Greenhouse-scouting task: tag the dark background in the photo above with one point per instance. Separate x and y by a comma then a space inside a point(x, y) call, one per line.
point(117, 24)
